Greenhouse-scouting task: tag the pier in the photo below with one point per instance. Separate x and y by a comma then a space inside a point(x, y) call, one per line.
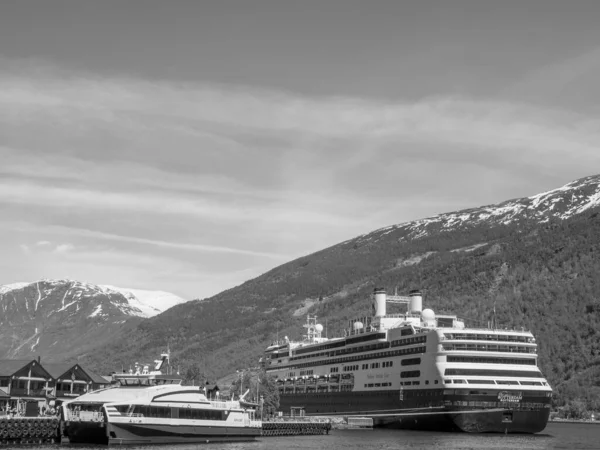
point(28, 430)
point(294, 428)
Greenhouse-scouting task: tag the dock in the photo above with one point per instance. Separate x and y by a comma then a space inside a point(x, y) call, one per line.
point(294, 428)
point(28, 430)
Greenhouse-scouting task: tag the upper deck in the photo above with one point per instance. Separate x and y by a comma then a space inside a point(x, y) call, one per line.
point(415, 331)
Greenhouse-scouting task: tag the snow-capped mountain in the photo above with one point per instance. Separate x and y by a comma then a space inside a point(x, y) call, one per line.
point(150, 303)
point(60, 317)
point(139, 302)
point(561, 203)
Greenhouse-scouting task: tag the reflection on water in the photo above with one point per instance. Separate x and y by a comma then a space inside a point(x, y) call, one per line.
point(555, 436)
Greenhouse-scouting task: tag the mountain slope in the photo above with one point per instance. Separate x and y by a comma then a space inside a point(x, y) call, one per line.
point(534, 260)
point(63, 319)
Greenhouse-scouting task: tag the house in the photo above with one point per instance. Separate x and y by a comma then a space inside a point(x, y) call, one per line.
point(25, 381)
point(72, 380)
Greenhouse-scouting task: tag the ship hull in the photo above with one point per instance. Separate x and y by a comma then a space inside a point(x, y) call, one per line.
point(130, 433)
point(127, 433)
point(431, 409)
point(86, 433)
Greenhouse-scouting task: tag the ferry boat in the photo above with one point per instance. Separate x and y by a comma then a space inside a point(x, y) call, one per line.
point(415, 370)
point(149, 407)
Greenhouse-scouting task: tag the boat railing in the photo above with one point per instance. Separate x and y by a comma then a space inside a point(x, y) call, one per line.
point(224, 404)
point(255, 423)
point(84, 416)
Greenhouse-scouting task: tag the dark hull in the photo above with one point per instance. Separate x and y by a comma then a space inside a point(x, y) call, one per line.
point(126, 433)
point(432, 409)
point(86, 433)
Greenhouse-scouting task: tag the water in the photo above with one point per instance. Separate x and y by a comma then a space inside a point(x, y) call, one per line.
point(555, 436)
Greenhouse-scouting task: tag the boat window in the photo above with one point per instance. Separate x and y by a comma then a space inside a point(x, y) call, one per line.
point(491, 360)
point(410, 374)
point(411, 361)
point(495, 373)
point(201, 414)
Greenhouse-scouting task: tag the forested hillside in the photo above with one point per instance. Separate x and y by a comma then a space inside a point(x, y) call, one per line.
point(543, 277)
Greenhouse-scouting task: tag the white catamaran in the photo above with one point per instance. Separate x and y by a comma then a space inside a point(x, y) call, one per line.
point(149, 407)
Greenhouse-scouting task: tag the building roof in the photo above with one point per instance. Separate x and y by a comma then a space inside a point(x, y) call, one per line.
point(9, 367)
point(57, 369)
point(95, 377)
point(64, 370)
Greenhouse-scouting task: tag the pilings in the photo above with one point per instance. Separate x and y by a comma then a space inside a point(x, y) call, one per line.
point(289, 428)
point(28, 430)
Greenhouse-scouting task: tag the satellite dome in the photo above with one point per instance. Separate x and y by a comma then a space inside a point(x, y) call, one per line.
point(318, 327)
point(357, 325)
point(428, 315)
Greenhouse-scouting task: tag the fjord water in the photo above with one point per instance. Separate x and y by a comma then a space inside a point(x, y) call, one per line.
point(555, 436)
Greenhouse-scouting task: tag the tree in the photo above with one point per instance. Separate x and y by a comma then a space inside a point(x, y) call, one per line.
point(193, 376)
point(575, 409)
point(259, 385)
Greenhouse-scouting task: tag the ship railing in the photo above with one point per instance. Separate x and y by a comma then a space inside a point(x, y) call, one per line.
point(513, 330)
point(224, 404)
point(84, 416)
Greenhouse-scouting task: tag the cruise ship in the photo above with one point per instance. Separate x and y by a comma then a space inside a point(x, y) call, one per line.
point(415, 370)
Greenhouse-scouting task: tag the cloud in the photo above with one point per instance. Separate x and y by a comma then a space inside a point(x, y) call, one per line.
point(64, 248)
point(218, 113)
point(228, 173)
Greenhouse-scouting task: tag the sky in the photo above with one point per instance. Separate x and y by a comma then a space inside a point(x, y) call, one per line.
point(188, 146)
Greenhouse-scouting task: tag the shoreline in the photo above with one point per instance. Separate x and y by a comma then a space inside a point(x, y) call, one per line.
point(583, 421)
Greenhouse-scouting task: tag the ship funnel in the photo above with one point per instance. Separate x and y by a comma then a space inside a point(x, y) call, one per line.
point(379, 299)
point(416, 301)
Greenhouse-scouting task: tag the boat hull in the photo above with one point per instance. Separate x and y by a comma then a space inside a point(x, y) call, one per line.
point(433, 409)
point(137, 433)
point(130, 433)
point(86, 432)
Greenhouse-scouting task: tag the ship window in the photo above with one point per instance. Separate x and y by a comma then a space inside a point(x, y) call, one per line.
point(481, 381)
point(495, 373)
point(410, 374)
point(491, 360)
point(411, 361)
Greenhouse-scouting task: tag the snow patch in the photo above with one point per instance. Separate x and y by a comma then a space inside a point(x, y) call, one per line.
point(96, 312)
point(469, 249)
point(12, 287)
point(150, 303)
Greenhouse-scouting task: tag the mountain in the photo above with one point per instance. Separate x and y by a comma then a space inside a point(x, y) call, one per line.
point(150, 303)
point(63, 319)
point(535, 261)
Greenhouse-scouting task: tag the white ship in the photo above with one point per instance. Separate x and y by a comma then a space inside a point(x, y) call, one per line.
point(149, 407)
point(415, 370)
